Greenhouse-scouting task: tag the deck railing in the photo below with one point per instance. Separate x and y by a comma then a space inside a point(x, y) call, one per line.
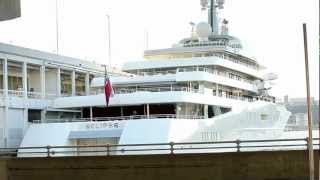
point(171, 89)
point(16, 93)
point(155, 89)
point(32, 94)
point(196, 69)
point(160, 148)
point(215, 72)
point(121, 118)
point(51, 95)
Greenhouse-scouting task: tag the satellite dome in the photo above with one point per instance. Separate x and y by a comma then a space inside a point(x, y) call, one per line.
point(203, 30)
point(270, 77)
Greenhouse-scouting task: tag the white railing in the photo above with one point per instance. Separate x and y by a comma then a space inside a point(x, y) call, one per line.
point(196, 69)
point(173, 89)
point(154, 73)
point(38, 95)
point(161, 148)
point(51, 95)
point(238, 98)
point(80, 93)
point(121, 118)
point(35, 95)
point(223, 56)
point(237, 61)
point(96, 91)
point(156, 89)
point(218, 44)
point(66, 94)
point(15, 93)
point(213, 71)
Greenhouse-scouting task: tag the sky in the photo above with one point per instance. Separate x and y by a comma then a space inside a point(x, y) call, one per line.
point(270, 30)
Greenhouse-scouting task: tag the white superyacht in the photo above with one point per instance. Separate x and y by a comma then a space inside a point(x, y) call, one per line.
point(201, 89)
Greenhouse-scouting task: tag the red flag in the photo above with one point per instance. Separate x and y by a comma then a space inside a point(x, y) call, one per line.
point(107, 90)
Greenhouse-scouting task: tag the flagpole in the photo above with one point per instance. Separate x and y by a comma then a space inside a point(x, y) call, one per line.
point(107, 85)
point(57, 29)
point(105, 72)
point(109, 39)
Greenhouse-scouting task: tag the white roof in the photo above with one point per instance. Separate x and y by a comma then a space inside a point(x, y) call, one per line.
point(46, 56)
point(195, 61)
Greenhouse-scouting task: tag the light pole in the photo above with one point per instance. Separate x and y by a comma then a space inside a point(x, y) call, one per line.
point(310, 140)
point(109, 40)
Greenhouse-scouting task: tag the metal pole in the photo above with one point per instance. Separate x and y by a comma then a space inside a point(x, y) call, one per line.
point(57, 28)
point(211, 14)
point(319, 109)
point(310, 141)
point(109, 41)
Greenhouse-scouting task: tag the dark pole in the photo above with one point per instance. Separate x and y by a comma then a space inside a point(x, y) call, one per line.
point(319, 102)
point(310, 142)
point(319, 105)
point(211, 14)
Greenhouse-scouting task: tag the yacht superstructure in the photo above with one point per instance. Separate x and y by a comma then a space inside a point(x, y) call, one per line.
point(201, 89)
point(30, 81)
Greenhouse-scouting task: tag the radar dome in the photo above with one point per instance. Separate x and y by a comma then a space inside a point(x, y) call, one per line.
point(270, 77)
point(203, 30)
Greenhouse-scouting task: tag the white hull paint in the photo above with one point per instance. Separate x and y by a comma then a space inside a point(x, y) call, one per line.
point(258, 120)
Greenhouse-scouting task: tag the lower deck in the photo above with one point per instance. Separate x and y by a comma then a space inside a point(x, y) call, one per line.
point(178, 110)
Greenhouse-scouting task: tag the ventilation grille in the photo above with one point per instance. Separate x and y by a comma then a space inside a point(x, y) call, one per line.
point(209, 136)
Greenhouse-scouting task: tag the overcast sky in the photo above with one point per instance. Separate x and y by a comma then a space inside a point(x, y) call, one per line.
point(271, 30)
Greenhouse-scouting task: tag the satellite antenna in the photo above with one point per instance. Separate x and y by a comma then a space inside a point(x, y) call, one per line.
point(220, 4)
point(192, 24)
point(270, 77)
point(204, 4)
point(267, 83)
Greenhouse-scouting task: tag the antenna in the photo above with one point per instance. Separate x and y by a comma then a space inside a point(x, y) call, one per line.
point(204, 4)
point(192, 24)
point(220, 4)
point(212, 13)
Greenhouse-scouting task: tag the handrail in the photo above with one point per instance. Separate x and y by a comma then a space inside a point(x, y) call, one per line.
point(155, 89)
point(212, 71)
point(51, 95)
point(32, 94)
point(18, 93)
point(194, 69)
point(121, 118)
point(160, 148)
point(172, 89)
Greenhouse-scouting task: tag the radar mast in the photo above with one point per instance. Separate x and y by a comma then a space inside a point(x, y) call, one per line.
point(212, 8)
